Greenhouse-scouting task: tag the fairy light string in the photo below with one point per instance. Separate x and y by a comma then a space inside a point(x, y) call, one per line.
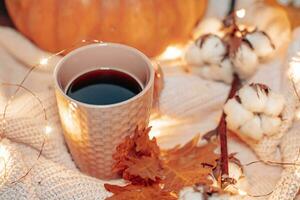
point(4, 123)
point(48, 128)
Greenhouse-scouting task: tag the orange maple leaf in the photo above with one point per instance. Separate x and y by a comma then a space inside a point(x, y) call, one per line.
point(134, 192)
point(123, 151)
point(144, 145)
point(137, 159)
point(191, 151)
point(189, 165)
point(144, 170)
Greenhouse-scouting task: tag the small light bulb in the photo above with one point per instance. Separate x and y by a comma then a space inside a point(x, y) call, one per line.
point(171, 53)
point(242, 192)
point(73, 106)
point(48, 130)
point(44, 61)
point(154, 133)
point(240, 13)
point(161, 125)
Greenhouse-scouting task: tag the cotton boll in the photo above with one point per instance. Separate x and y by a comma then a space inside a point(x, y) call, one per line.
point(253, 98)
point(265, 107)
point(222, 72)
point(235, 171)
point(245, 61)
point(226, 71)
point(261, 43)
point(193, 55)
point(212, 72)
point(270, 125)
point(275, 104)
point(189, 193)
point(236, 114)
point(252, 128)
point(212, 48)
point(207, 72)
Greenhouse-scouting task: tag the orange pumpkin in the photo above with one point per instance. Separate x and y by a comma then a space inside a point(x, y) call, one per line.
point(149, 25)
point(293, 12)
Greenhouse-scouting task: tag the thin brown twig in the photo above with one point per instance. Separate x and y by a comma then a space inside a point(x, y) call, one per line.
point(222, 130)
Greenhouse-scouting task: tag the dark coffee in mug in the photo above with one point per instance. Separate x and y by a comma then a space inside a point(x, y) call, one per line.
point(103, 87)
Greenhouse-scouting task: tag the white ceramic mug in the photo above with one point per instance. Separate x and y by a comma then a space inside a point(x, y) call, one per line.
point(92, 132)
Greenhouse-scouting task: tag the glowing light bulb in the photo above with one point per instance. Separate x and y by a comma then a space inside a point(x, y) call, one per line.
point(171, 53)
point(160, 125)
point(70, 120)
point(240, 13)
point(242, 192)
point(44, 61)
point(73, 106)
point(48, 130)
point(154, 133)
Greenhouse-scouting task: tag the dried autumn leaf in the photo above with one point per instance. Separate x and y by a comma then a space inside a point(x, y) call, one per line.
point(123, 151)
point(178, 177)
point(137, 159)
point(190, 151)
point(189, 165)
point(145, 146)
point(134, 192)
point(116, 189)
point(144, 170)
